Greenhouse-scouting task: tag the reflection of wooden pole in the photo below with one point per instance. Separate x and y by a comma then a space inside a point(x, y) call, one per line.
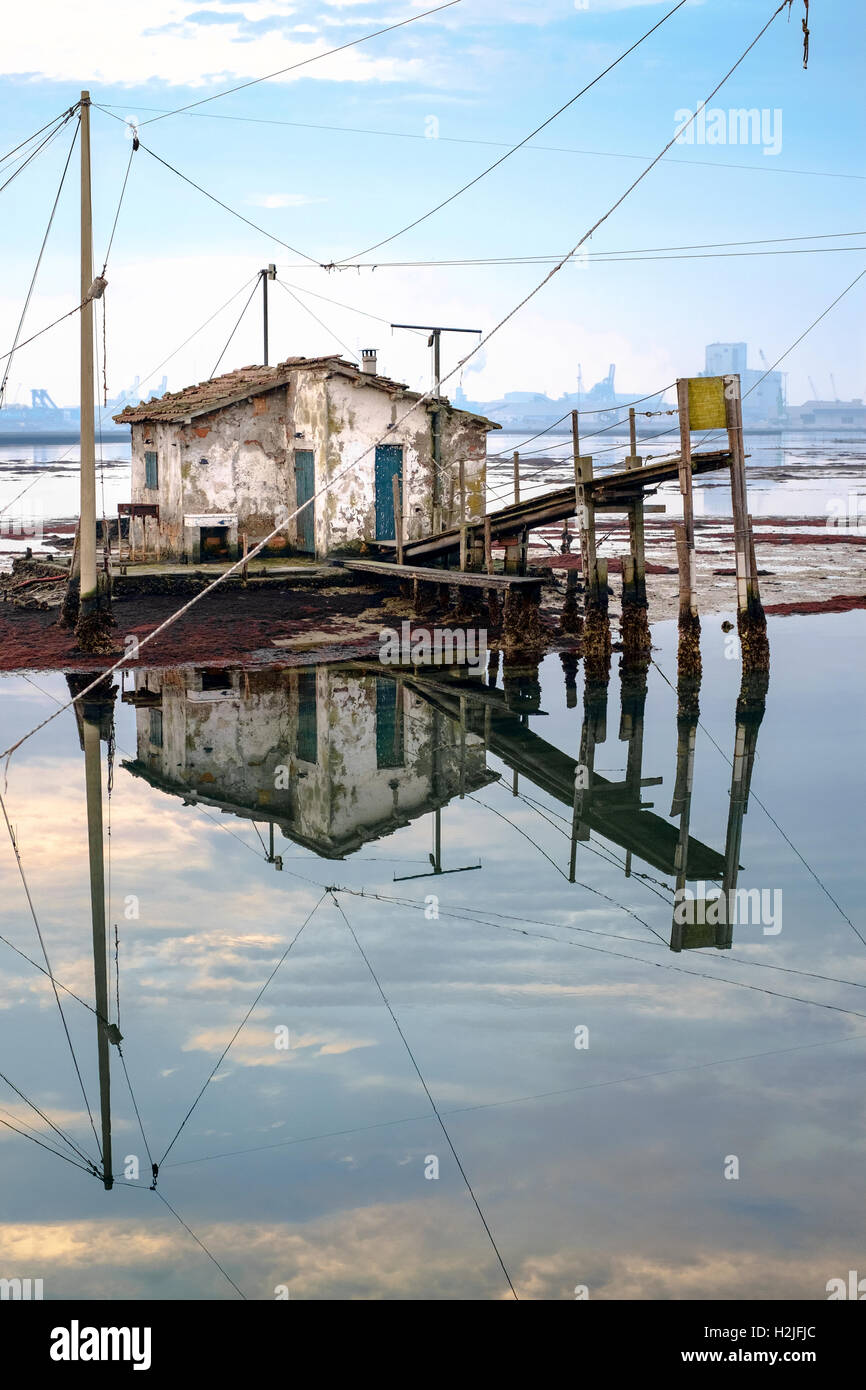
point(93, 787)
point(686, 739)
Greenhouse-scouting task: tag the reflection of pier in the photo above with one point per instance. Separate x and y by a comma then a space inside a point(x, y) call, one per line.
point(613, 810)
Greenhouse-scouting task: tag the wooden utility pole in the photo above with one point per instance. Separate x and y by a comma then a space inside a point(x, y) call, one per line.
point(516, 477)
point(88, 441)
point(268, 273)
point(93, 616)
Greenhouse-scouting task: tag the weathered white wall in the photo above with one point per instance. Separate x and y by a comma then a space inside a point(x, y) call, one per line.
point(250, 469)
point(357, 417)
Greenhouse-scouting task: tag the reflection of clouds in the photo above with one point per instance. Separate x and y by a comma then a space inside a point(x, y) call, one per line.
point(430, 1247)
point(255, 1045)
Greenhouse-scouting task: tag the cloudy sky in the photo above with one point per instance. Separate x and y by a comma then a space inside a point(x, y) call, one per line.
point(346, 151)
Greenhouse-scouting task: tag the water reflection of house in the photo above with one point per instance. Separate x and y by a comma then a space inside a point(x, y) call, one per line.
point(332, 758)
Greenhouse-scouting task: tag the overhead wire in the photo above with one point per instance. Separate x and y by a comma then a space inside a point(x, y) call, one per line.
point(89, 1170)
point(384, 241)
point(592, 258)
point(505, 144)
point(31, 155)
point(57, 1130)
point(58, 121)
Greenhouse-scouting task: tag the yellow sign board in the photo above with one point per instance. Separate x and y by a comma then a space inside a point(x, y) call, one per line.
point(707, 403)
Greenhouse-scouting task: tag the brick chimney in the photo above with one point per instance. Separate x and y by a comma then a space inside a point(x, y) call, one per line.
point(368, 360)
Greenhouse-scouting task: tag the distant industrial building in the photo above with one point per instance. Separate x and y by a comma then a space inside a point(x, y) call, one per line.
point(532, 410)
point(763, 391)
point(828, 415)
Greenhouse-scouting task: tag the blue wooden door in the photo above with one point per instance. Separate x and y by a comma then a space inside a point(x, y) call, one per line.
point(305, 487)
point(389, 462)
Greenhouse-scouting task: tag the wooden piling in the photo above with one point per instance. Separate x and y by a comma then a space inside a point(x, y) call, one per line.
point(524, 636)
point(685, 472)
point(689, 651)
point(516, 476)
point(570, 619)
point(586, 519)
point(488, 547)
point(751, 619)
point(244, 569)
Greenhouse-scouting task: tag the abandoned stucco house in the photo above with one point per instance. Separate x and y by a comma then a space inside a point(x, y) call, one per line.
point(235, 456)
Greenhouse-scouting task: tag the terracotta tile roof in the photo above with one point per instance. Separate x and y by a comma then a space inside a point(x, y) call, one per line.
point(239, 385)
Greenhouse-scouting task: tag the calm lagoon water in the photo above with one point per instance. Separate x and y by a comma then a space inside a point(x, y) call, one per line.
point(311, 1166)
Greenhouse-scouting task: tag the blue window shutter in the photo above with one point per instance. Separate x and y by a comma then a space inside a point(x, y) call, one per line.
point(151, 469)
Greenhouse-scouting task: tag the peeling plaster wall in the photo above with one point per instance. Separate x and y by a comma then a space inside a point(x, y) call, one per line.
point(163, 439)
point(245, 473)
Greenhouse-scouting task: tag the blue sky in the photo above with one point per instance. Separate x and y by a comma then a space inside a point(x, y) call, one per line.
point(477, 72)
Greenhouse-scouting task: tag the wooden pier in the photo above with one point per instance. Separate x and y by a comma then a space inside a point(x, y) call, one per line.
point(703, 404)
